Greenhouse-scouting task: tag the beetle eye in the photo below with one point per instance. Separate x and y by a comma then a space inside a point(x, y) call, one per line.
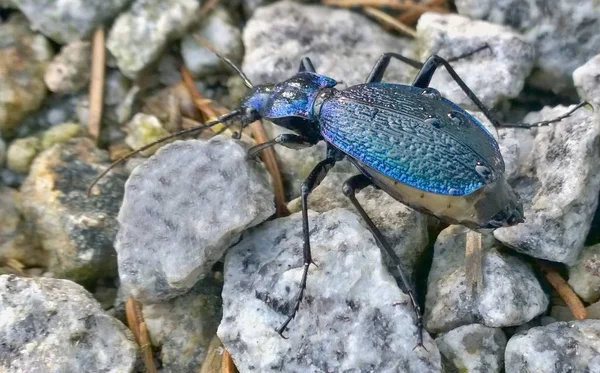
point(431, 93)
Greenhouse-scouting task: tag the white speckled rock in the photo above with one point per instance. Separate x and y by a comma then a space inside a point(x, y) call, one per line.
point(70, 70)
point(558, 206)
point(561, 347)
point(183, 327)
point(587, 81)
point(511, 294)
point(68, 20)
point(353, 318)
point(140, 34)
point(493, 75)
point(472, 349)
point(404, 228)
point(182, 209)
point(563, 32)
point(49, 325)
point(219, 30)
point(279, 35)
point(584, 275)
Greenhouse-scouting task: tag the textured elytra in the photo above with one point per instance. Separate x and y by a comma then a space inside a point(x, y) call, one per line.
point(412, 135)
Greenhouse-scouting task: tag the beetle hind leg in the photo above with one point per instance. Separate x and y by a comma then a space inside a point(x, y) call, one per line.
point(353, 185)
point(312, 181)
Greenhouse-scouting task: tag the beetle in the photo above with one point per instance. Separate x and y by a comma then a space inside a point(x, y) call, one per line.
point(408, 140)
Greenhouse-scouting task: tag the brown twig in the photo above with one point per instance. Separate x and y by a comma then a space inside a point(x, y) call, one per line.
point(564, 291)
point(268, 157)
point(97, 84)
point(207, 7)
point(227, 365)
point(388, 20)
point(137, 325)
point(473, 263)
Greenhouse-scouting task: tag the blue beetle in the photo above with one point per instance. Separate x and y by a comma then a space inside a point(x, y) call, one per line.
point(407, 140)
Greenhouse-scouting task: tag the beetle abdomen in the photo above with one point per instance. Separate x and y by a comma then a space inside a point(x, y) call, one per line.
point(412, 135)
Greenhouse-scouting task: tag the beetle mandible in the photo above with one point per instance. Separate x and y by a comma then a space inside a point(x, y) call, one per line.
point(408, 140)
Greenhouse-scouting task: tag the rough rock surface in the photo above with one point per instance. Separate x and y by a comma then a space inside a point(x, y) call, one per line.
point(404, 228)
point(49, 325)
point(143, 129)
point(353, 317)
point(472, 348)
point(493, 74)
point(511, 294)
point(23, 58)
point(558, 206)
point(17, 239)
point(182, 209)
point(140, 34)
point(68, 20)
point(279, 35)
point(21, 153)
point(587, 81)
point(584, 275)
point(2, 152)
point(182, 328)
point(77, 232)
point(70, 70)
point(556, 348)
point(219, 30)
point(563, 32)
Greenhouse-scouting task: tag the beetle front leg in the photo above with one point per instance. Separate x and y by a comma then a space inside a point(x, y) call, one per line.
point(306, 65)
point(287, 139)
point(312, 181)
point(350, 188)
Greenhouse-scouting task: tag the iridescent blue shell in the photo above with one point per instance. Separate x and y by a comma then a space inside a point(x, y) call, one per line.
point(295, 96)
point(412, 135)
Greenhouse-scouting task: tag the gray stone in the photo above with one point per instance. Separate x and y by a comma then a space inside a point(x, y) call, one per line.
point(493, 75)
point(140, 34)
point(77, 232)
point(182, 209)
point(279, 35)
point(18, 240)
point(142, 130)
point(21, 153)
point(68, 20)
point(219, 30)
point(59, 134)
point(70, 70)
point(22, 66)
point(563, 32)
point(404, 228)
point(559, 182)
point(2, 152)
point(353, 317)
point(584, 275)
point(587, 81)
point(556, 348)
point(116, 88)
point(511, 294)
point(183, 327)
point(472, 349)
point(50, 325)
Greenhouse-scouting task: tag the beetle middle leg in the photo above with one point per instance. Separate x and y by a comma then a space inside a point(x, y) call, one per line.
point(306, 65)
point(288, 140)
point(353, 185)
point(312, 181)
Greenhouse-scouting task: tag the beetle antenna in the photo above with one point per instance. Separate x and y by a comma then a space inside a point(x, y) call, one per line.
point(222, 119)
point(211, 48)
point(547, 122)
